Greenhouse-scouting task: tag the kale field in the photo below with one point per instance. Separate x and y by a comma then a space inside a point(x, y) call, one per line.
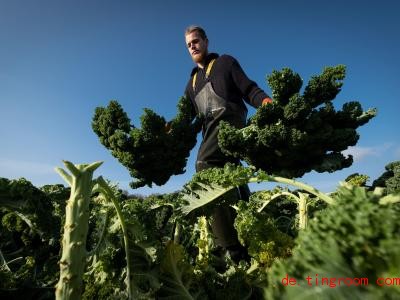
point(89, 239)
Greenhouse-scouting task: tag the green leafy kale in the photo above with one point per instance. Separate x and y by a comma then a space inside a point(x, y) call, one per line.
point(29, 238)
point(296, 134)
point(177, 275)
point(154, 152)
point(357, 237)
point(357, 179)
point(261, 236)
point(390, 179)
point(31, 204)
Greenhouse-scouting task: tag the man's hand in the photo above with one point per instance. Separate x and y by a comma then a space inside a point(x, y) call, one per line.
point(266, 101)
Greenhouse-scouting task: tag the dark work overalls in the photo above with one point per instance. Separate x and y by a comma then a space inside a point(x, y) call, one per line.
point(215, 109)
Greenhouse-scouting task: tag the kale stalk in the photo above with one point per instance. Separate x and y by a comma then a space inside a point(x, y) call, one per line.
point(107, 192)
point(72, 262)
point(210, 185)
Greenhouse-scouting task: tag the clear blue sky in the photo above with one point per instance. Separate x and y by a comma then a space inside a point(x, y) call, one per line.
point(59, 60)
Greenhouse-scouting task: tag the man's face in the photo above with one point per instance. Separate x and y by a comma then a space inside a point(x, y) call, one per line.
point(198, 48)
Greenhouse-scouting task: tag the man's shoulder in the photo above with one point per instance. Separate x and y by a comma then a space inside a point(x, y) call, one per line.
point(226, 61)
point(227, 58)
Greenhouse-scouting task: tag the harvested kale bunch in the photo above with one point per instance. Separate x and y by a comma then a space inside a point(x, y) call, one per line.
point(298, 133)
point(154, 152)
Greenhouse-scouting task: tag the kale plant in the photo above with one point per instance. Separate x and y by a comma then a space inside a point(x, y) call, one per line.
point(296, 133)
point(390, 179)
point(29, 238)
point(154, 152)
point(358, 237)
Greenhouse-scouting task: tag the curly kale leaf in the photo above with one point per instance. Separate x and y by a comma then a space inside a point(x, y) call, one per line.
point(390, 179)
point(213, 187)
point(152, 153)
point(177, 275)
point(284, 85)
point(357, 179)
point(34, 206)
point(325, 87)
point(296, 134)
point(267, 115)
point(260, 234)
point(356, 237)
point(29, 234)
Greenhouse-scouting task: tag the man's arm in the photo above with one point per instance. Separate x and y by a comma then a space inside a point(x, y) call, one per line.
point(188, 94)
point(252, 94)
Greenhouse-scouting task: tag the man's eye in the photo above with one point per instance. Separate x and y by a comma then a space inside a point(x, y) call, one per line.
point(192, 43)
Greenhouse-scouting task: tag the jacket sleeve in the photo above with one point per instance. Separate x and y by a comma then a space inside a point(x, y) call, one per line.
point(189, 95)
point(252, 94)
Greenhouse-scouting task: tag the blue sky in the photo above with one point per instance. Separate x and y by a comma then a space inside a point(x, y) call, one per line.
point(59, 60)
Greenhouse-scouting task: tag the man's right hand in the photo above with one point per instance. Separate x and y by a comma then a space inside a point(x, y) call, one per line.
point(266, 101)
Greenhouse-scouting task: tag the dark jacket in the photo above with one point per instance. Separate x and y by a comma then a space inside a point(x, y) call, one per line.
point(229, 82)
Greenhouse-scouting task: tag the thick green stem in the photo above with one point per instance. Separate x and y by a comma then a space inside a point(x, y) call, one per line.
point(295, 183)
point(303, 211)
point(302, 206)
point(390, 199)
point(302, 200)
point(73, 257)
point(177, 233)
point(202, 242)
point(277, 196)
point(108, 193)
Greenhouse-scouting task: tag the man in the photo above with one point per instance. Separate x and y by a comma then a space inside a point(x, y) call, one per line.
point(217, 88)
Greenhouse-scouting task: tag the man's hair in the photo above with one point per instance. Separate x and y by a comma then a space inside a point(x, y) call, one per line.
point(200, 30)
